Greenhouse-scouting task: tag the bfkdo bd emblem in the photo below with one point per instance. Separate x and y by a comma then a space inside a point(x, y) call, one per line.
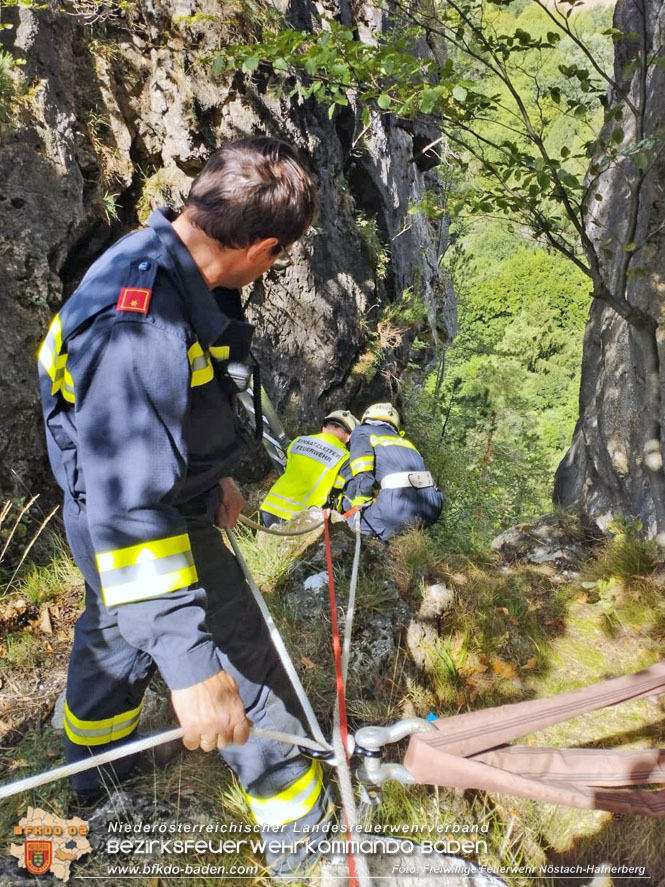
point(38, 856)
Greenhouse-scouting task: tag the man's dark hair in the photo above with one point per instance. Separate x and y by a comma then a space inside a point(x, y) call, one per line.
point(253, 189)
point(335, 425)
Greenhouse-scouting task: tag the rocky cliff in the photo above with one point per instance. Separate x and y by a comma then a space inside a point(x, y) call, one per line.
point(114, 112)
point(615, 463)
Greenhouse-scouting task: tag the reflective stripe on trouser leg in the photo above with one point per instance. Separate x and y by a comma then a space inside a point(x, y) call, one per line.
point(107, 676)
point(292, 803)
point(99, 732)
point(266, 769)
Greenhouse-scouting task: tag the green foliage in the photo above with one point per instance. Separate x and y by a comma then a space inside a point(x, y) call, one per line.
point(8, 90)
point(520, 97)
point(110, 206)
point(379, 253)
point(494, 430)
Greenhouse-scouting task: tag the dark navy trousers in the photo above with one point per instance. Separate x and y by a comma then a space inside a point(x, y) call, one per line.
point(108, 676)
point(394, 510)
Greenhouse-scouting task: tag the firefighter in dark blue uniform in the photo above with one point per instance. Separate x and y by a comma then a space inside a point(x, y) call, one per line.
point(391, 483)
point(141, 436)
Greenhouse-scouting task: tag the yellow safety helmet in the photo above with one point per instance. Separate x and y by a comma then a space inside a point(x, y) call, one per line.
point(384, 411)
point(342, 417)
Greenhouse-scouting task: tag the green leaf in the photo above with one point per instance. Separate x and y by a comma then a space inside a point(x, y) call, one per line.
point(630, 247)
point(617, 135)
point(428, 100)
point(384, 101)
point(628, 70)
point(218, 65)
point(642, 159)
point(340, 70)
point(250, 64)
point(459, 93)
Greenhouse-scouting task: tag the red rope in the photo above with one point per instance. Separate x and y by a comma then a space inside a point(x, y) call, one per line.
point(339, 676)
point(357, 508)
point(351, 511)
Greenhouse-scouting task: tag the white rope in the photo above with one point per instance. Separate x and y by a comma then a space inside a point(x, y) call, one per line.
point(280, 647)
point(351, 609)
point(348, 798)
point(341, 753)
point(131, 748)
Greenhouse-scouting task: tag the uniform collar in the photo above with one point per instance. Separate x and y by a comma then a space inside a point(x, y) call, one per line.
point(332, 440)
point(208, 320)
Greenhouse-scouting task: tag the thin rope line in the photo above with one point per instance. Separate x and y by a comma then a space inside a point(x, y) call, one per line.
point(351, 609)
point(248, 522)
point(276, 638)
point(131, 748)
point(358, 868)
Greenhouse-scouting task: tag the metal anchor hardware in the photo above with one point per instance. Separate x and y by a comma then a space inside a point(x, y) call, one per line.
point(370, 742)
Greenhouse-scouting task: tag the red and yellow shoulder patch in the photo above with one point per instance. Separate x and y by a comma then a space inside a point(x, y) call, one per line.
point(134, 299)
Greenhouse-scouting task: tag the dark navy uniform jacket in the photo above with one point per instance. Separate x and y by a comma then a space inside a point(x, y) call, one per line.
point(377, 449)
point(139, 424)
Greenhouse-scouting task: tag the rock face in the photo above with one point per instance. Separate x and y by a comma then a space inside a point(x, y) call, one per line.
point(116, 117)
point(615, 462)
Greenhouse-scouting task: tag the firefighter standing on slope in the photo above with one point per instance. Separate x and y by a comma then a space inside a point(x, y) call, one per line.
point(387, 466)
point(317, 468)
point(141, 437)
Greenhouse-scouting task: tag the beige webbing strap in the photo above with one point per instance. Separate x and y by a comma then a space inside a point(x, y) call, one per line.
point(471, 751)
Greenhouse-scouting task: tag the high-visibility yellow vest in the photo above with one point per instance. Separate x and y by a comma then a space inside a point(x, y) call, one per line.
point(312, 471)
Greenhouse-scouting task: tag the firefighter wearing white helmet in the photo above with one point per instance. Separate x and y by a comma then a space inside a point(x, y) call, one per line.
point(390, 483)
point(317, 470)
point(382, 411)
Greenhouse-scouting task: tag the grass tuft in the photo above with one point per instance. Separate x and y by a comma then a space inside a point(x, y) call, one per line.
point(44, 583)
point(411, 559)
point(625, 556)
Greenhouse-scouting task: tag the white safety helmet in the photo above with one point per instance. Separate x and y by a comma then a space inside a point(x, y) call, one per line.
point(382, 411)
point(342, 417)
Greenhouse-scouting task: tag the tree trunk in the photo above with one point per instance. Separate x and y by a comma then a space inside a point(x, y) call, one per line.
point(615, 462)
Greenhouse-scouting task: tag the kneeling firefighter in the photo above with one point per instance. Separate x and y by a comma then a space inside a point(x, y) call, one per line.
point(390, 481)
point(317, 470)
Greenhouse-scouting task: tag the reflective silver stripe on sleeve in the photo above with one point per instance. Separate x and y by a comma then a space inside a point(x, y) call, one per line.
point(148, 570)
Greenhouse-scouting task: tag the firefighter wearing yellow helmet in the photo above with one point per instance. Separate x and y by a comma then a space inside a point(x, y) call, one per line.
point(317, 470)
point(390, 481)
